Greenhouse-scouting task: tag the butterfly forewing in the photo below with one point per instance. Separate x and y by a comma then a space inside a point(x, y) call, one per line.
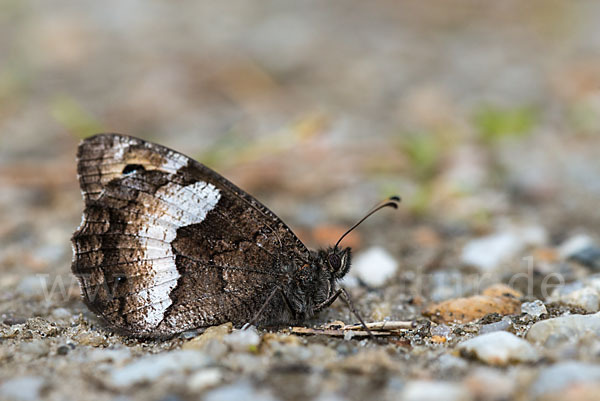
point(166, 244)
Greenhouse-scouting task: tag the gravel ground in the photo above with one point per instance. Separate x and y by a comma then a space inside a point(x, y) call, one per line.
point(485, 118)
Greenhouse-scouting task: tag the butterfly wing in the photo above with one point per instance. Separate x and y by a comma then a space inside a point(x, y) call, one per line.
point(166, 244)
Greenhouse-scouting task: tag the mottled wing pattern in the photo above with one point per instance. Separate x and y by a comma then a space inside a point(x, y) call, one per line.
point(166, 244)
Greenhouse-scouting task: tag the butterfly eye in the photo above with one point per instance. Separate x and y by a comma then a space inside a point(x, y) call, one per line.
point(334, 261)
point(132, 168)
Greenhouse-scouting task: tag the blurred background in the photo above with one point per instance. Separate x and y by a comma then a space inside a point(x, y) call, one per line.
point(468, 109)
point(483, 116)
point(471, 111)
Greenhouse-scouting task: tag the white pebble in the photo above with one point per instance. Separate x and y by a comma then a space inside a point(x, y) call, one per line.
point(243, 340)
point(489, 252)
point(35, 348)
point(151, 367)
point(422, 390)
point(499, 348)
point(61, 314)
point(502, 325)
point(374, 266)
point(564, 328)
point(535, 308)
point(204, 379)
point(584, 293)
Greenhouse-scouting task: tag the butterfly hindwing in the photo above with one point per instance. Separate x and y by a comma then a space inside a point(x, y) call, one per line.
point(166, 244)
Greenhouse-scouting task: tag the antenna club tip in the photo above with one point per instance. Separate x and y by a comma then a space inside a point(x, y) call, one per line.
point(395, 198)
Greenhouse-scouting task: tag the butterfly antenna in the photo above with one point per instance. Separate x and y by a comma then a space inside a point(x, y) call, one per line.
point(392, 201)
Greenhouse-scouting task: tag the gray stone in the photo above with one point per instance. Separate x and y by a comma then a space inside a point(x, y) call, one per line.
point(589, 257)
point(584, 293)
point(451, 364)
point(152, 367)
point(562, 375)
point(499, 348)
point(502, 325)
point(488, 253)
point(24, 388)
point(35, 348)
point(574, 245)
point(33, 286)
point(564, 328)
point(535, 308)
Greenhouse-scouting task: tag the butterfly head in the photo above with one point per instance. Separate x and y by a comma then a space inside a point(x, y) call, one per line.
point(337, 261)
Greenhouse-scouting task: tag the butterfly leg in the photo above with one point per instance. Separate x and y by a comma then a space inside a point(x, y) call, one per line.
point(267, 301)
point(346, 297)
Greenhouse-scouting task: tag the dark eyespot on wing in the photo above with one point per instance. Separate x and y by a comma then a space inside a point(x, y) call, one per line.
point(131, 168)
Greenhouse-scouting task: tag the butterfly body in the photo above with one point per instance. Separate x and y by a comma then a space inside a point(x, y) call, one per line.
point(167, 245)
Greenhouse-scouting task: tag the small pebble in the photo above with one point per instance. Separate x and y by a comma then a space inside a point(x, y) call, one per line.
point(499, 348)
point(491, 384)
point(374, 266)
point(216, 349)
point(24, 388)
point(421, 390)
point(535, 308)
point(151, 367)
point(589, 257)
point(502, 325)
point(497, 298)
point(35, 348)
point(564, 328)
point(244, 363)
point(243, 340)
point(33, 286)
point(584, 293)
point(188, 335)
point(241, 390)
point(205, 378)
point(61, 314)
point(451, 364)
point(562, 375)
point(11, 321)
point(441, 330)
point(63, 350)
point(488, 253)
point(92, 338)
point(574, 245)
point(211, 333)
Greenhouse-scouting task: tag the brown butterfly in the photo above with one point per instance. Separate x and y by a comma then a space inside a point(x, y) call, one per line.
point(167, 245)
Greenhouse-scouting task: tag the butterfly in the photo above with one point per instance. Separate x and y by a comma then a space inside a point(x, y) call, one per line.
point(167, 245)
